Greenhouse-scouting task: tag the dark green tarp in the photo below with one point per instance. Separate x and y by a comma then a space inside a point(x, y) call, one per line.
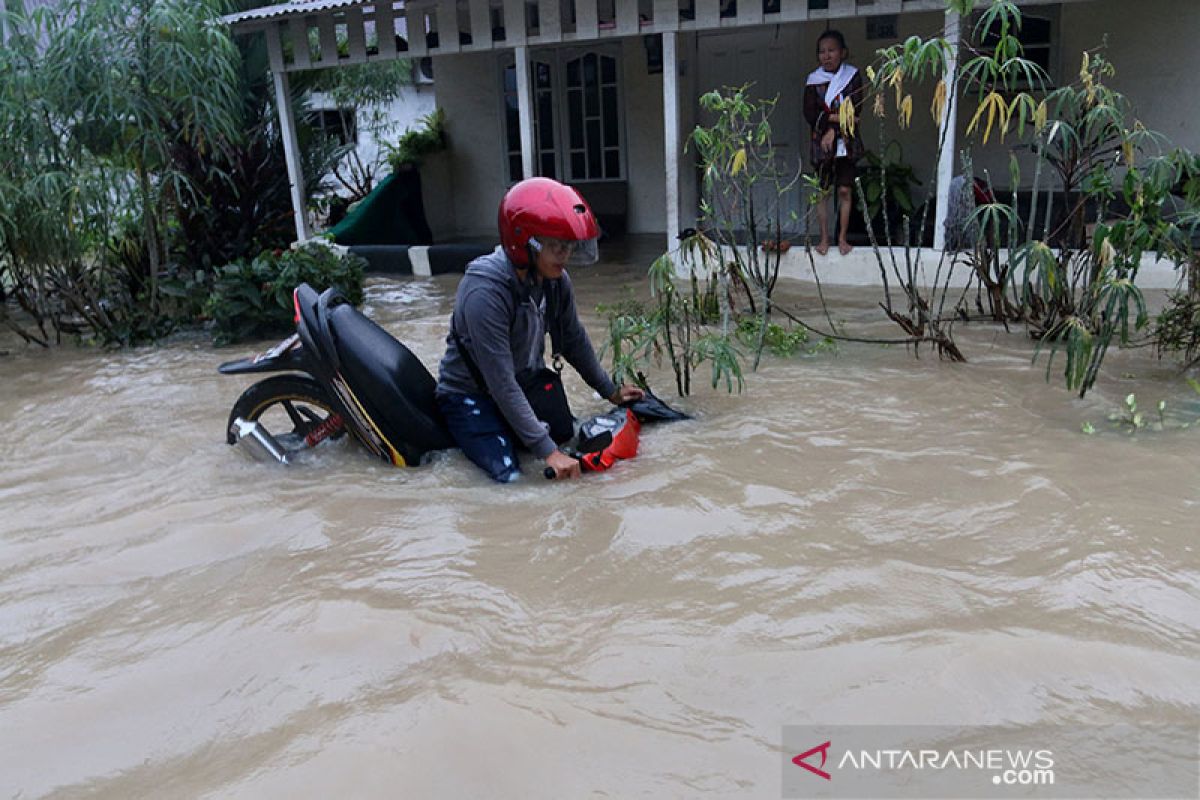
point(392, 213)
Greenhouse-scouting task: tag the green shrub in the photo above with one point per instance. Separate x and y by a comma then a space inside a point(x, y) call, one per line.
point(779, 340)
point(253, 299)
point(414, 145)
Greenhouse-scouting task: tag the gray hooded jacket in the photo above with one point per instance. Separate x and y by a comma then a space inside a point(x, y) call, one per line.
point(501, 322)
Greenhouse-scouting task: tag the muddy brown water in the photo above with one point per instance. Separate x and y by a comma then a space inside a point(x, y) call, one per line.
point(859, 537)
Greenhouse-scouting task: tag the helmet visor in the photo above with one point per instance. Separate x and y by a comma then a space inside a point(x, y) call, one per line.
point(575, 252)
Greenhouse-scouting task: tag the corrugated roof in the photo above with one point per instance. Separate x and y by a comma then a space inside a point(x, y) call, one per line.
point(284, 10)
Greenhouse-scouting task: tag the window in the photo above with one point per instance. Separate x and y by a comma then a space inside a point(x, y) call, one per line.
point(545, 157)
point(334, 123)
point(1038, 36)
point(512, 123)
point(578, 135)
point(594, 135)
point(883, 26)
point(543, 116)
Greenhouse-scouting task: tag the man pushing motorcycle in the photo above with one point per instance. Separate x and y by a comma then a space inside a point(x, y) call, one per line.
point(494, 389)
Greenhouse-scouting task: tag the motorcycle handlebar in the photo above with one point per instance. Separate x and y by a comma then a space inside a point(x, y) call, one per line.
point(549, 474)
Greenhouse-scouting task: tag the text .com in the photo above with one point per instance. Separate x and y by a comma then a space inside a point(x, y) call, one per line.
point(1024, 777)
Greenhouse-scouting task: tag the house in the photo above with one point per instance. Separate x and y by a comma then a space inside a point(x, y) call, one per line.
point(370, 128)
point(603, 93)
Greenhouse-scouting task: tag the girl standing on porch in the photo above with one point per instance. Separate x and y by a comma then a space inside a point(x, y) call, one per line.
point(834, 152)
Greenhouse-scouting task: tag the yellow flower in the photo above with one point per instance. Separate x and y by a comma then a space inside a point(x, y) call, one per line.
point(938, 108)
point(846, 118)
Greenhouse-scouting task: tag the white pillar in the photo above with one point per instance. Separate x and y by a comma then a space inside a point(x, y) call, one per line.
point(525, 111)
point(947, 163)
point(670, 75)
point(291, 153)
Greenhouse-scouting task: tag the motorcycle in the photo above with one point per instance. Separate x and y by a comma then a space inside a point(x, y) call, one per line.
point(341, 373)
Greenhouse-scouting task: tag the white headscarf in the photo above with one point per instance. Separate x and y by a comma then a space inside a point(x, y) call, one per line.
point(838, 81)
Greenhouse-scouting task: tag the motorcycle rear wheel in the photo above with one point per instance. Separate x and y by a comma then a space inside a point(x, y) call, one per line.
point(289, 406)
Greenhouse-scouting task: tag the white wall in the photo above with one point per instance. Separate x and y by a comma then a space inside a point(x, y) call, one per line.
point(469, 91)
point(401, 114)
point(644, 156)
point(477, 175)
point(689, 177)
point(381, 125)
point(378, 126)
point(1155, 47)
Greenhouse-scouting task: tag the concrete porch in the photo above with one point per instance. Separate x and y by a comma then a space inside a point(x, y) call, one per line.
point(629, 257)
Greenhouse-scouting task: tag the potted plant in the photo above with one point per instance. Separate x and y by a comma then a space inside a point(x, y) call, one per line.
point(887, 178)
point(414, 145)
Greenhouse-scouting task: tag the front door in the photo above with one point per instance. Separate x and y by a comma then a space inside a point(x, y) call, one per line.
point(766, 58)
point(578, 128)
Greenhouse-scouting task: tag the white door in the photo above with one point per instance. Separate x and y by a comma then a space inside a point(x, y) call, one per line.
point(769, 58)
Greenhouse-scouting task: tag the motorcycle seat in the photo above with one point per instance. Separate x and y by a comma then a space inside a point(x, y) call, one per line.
point(391, 384)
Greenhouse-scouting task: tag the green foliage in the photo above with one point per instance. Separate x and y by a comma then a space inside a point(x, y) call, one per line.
point(1072, 257)
point(631, 339)
point(97, 105)
point(371, 84)
point(240, 203)
point(1088, 127)
point(141, 150)
point(696, 320)
point(745, 189)
point(1084, 298)
point(632, 332)
point(368, 89)
point(778, 340)
point(1113, 307)
point(1177, 329)
point(1130, 419)
point(131, 82)
point(725, 359)
point(252, 298)
point(414, 145)
point(680, 326)
point(887, 178)
point(1004, 69)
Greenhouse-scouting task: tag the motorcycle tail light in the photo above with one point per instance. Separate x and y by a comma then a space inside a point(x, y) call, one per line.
point(296, 305)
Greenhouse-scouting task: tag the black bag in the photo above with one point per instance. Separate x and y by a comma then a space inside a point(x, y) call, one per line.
point(544, 390)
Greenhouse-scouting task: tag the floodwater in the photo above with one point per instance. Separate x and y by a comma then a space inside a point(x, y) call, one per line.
point(860, 537)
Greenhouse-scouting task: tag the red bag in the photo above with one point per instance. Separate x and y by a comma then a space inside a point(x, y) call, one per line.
point(624, 445)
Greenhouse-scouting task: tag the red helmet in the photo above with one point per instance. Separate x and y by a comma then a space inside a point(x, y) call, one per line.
point(538, 210)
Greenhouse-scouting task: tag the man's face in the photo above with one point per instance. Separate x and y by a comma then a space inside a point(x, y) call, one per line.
point(552, 258)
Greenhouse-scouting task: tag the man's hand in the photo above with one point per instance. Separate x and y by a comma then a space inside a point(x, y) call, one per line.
point(827, 141)
point(563, 465)
point(626, 394)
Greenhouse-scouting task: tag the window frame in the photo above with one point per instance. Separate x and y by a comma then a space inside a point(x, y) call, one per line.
point(346, 135)
point(509, 62)
point(558, 58)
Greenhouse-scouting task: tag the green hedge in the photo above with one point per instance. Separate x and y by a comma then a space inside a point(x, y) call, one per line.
point(253, 299)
